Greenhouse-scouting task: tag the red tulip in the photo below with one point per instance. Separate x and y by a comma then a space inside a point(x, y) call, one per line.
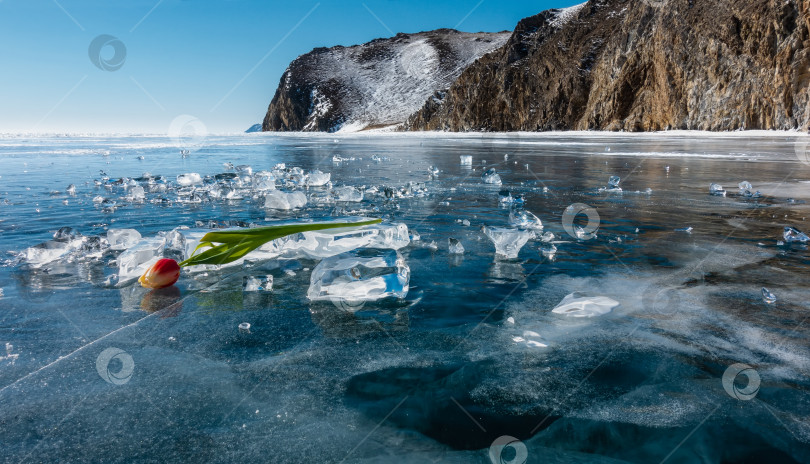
point(162, 274)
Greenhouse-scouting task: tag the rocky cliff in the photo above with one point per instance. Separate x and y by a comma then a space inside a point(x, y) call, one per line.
point(376, 84)
point(639, 65)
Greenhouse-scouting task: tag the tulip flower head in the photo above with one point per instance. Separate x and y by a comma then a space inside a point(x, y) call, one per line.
point(162, 274)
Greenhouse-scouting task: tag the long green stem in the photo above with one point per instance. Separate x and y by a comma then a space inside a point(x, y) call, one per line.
point(235, 244)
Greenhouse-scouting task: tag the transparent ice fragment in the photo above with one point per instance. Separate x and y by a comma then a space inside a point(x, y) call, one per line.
point(583, 234)
point(792, 234)
point(47, 252)
point(66, 233)
point(613, 182)
point(579, 305)
point(548, 250)
point(358, 276)
point(491, 177)
point(767, 296)
point(547, 237)
point(121, 239)
point(717, 189)
point(276, 199)
point(244, 169)
point(326, 243)
point(264, 180)
point(317, 178)
point(688, 230)
point(347, 193)
point(505, 197)
point(263, 283)
point(133, 262)
point(508, 242)
point(455, 247)
point(524, 220)
point(191, 178)
point(244, 327)
point(137, 193)
point(466, 160)
point(745, 185)
point(66, 242)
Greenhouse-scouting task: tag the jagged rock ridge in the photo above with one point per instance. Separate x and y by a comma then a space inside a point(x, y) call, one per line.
point(639, 65)
point(376, 84)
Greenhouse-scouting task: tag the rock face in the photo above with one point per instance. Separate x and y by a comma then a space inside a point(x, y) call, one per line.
point(639, 65)
point(376, 84)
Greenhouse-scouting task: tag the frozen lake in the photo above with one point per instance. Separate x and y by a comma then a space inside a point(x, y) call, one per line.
point(691, 365)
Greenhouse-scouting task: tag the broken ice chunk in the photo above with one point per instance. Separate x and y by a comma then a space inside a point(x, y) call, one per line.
point(317, 178)
point(367, 274)
point(66, 241)
point(745, 185)
point(121, 239)
point(326, 243)
point(136, 260)
point(466, 160)
point(548, 250)
point(347, 193)
point(688, 230)
point(508, 242)
point(191, 178)
point(244, 327)
point(524, 220)
point(455, 247)
point(264, 180)
point(613, 183)
point(767, 296)
point(262, 283)
point(579, 305)
point(547, 237)
point(47, 252)
point(66, 233)
point(137, 193)
point(491, 177)
point(795, 235)
point(276, 199)
point(505, 197)
point(717, 189)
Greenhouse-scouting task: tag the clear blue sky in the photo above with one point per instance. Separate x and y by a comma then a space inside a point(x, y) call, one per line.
point(217, 60)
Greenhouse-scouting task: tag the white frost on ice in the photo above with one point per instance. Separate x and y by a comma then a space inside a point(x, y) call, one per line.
point(577, 305)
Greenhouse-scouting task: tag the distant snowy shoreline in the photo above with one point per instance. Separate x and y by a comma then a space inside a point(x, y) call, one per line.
point(435, 134)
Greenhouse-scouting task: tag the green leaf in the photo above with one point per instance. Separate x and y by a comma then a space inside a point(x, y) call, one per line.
point(235, 244)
